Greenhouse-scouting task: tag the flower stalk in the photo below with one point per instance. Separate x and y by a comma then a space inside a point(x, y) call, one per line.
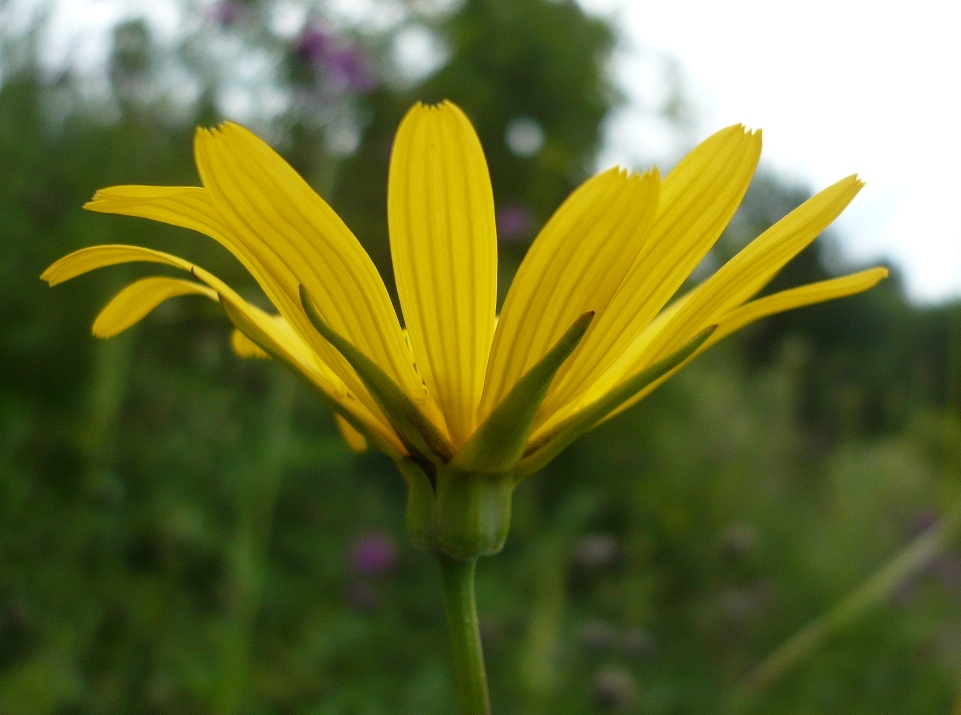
point(460, 606)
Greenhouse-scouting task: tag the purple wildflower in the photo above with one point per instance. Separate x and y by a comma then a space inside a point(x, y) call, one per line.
point(340, 65)
point(314, 46)
point(226, 13)
point(514, 222)
point(374, 555)
point(348, 68)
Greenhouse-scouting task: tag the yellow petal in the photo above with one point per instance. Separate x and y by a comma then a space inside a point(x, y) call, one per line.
point(284, 339)
point(192, 207)
point(575, 265)
point(135, 301)
point(275, 337)
point(743, 276)
point(274, 266)
point(298, 238)
point(796, 298)
point(185, 206)
point(443, 242)
point(88, 259)
point(776, 303)
point(698, 199)
point(245, 347)
point(354, 439)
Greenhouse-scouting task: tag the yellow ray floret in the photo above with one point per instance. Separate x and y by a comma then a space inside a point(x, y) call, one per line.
point(275, 335)
point(440, 210)
point(592, 323)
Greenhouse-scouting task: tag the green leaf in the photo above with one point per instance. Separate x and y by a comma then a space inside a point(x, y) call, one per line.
point(278, 353)
point(417, 432)
point(498, 444)
point(552, 443)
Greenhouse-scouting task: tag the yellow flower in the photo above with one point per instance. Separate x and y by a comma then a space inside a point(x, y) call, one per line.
point(588, 322)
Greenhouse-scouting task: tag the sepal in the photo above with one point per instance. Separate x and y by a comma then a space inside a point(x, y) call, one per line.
point(262, 340)
point(549, 445)
point(498, 444)
point(417, 432)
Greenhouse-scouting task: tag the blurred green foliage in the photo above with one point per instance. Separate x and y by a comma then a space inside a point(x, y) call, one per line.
point(184, 532)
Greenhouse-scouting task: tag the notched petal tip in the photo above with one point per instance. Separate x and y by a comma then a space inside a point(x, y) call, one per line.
point(443, 106)
point(106, 194)
point(625, 173)
point(223, 132)
point(742, 128)
point(739, 132)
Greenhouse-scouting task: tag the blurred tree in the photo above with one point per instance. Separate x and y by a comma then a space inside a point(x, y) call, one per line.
point(532, 76)
point(869, 362)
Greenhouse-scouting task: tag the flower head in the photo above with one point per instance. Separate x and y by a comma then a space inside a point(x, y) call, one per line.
point(591, 324)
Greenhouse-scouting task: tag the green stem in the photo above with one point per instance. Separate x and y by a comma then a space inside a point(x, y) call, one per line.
point(876, 589)
point(457, 578)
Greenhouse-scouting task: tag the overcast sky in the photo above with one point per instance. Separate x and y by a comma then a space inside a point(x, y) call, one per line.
point(838, 86)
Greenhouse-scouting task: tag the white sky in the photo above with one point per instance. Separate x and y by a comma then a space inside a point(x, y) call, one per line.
point(838, 86)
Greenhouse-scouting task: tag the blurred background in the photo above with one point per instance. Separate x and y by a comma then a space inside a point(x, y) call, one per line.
point(183, 532)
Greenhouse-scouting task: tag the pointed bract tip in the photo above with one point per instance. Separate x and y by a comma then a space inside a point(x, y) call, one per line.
point(305, 300)
point(583, 322)
point(307, 303)
point(704, 333)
